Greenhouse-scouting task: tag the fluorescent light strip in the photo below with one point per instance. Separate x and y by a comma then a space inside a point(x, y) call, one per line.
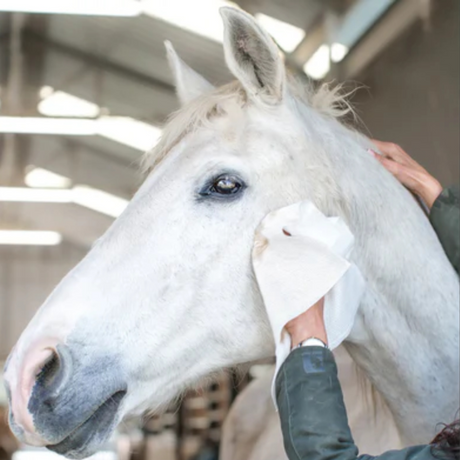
point(88, 197)
point(129, 131)
point(30, 237)
point(125, 130)
point(37, 125)
point(81, 7)
point(98, 200)
point(35, 195)
point(39, 177)
point(62, 104)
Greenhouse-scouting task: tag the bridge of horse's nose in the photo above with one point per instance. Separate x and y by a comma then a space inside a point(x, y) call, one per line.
point(47, 367)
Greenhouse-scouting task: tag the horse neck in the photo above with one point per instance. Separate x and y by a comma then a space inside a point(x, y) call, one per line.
point(406, 336)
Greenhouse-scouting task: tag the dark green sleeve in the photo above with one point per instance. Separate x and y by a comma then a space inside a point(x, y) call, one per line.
point(445, 218)
point(313, 417)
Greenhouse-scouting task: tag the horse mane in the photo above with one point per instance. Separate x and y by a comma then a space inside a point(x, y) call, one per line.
point(331, 101)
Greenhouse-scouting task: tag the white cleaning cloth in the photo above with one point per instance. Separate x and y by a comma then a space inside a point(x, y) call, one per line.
point(294, 272)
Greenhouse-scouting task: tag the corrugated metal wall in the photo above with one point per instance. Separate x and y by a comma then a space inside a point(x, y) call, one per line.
point(27, 276)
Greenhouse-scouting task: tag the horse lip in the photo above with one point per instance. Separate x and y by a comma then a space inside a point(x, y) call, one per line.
point(98, 425)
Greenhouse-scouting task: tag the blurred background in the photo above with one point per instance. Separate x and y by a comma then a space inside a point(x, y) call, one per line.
point(84, 90)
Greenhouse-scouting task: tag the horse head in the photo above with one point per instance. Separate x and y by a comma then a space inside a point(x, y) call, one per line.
point(167, 295)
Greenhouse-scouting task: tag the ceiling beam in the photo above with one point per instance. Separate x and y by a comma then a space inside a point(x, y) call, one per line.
point(70, 143)
point(99, 62)
point(77, 224)
point(85, 165)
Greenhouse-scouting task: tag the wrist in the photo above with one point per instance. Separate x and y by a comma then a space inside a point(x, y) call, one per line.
point(302, 336)
point(429, 191)
point(310, 324)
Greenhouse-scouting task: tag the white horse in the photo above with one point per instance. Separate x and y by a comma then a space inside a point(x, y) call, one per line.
point(168, 294)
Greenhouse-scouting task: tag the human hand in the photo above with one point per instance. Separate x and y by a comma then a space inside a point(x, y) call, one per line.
point(308, 324)
point(412, 175)
point(299, 256)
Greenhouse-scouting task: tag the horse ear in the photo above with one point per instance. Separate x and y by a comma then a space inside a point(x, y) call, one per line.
point(189, 84)
point(252, 56)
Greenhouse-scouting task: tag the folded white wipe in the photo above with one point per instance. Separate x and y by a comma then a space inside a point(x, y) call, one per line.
point(300, 256)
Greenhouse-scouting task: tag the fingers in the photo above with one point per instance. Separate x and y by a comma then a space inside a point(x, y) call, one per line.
point(408, 172)
point(400, 171)
point(416, 180)
point(388, 163)
point(394, 151)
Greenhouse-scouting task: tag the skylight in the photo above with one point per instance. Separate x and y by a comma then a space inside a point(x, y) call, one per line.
point(338, 52)
point(318, 65)
point(286, 35)
point(198, 16)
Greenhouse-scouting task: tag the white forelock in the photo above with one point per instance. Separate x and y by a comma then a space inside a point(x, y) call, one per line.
point(328, 100)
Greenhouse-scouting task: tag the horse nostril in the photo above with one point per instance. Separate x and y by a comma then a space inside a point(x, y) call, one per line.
point(53, 372)
point(49, 370)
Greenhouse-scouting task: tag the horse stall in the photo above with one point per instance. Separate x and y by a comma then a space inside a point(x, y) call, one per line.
point(149, 319)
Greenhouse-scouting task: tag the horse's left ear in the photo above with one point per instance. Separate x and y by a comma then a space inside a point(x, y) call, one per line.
point(189, 84)
point(253, 57)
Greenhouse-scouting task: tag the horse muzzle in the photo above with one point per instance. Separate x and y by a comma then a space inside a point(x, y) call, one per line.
point(62, 398)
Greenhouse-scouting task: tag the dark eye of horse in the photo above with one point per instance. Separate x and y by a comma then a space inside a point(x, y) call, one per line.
point(226, 185)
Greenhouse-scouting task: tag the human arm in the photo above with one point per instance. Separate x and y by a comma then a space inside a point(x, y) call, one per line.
point(411, 174)
point(312, 412)
point(309, 395)
point(300, 256)
point(445, 219)
point(442, 203)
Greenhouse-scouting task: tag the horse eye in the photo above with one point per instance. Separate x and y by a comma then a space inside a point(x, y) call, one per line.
point(226, 185)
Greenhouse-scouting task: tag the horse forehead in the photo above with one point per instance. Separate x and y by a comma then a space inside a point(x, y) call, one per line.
point(238, 123)
point(256, 133)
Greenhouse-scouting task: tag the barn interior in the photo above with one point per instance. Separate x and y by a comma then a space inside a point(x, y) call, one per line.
point(85, 88)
